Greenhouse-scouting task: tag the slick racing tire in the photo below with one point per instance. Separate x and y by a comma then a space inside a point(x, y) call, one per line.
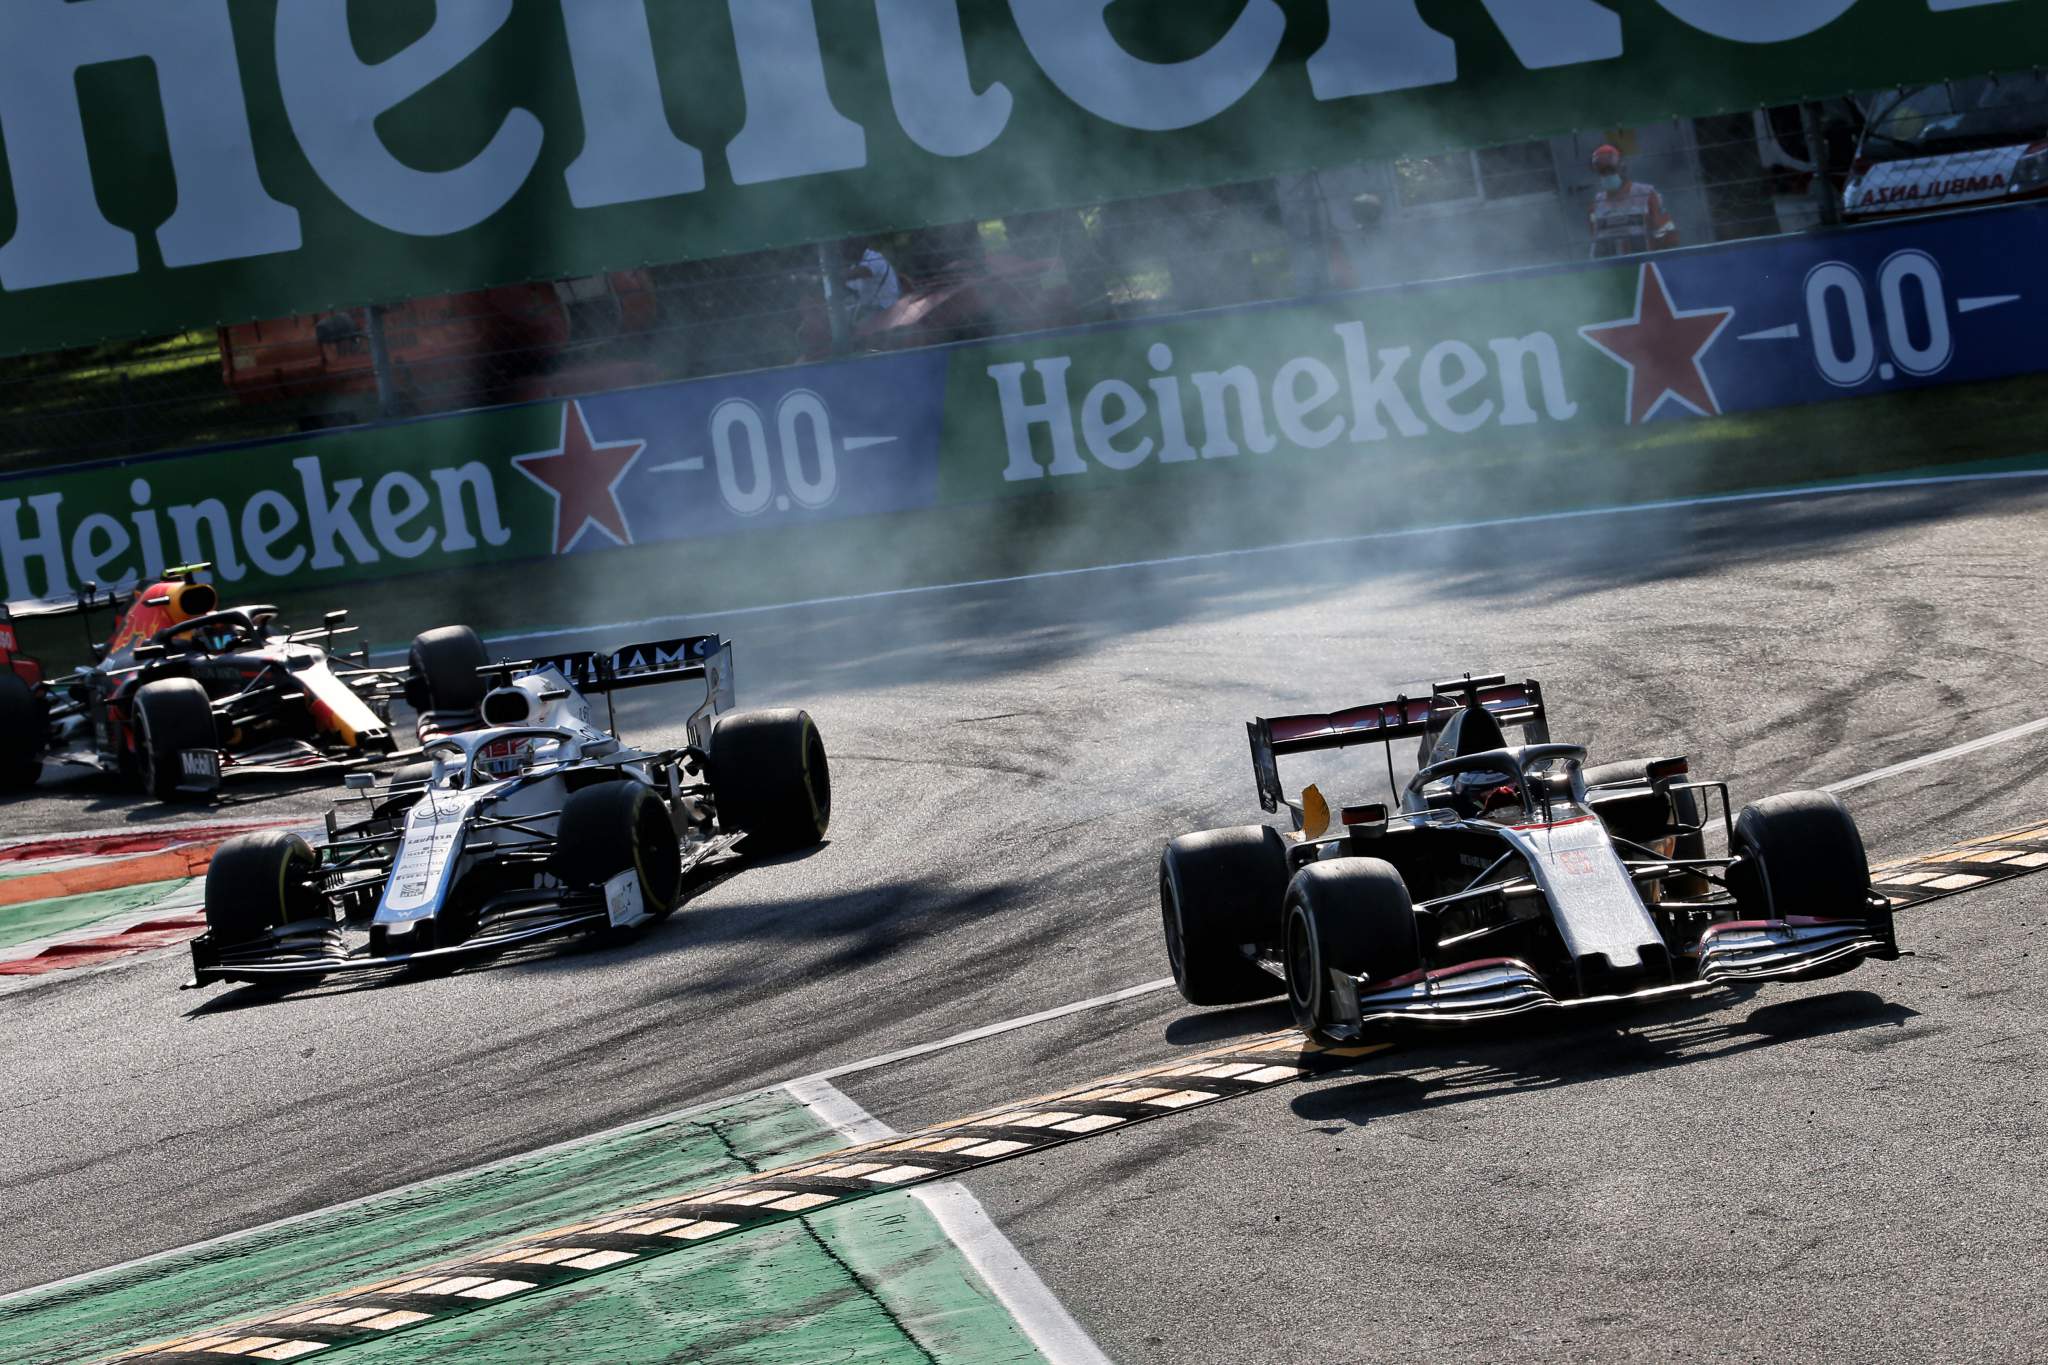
point(1684, 810)
point(1802, 855)
point(260, 882)
point(443, 674)
point(616, 827)
point(23, 724)
point(1350, 915)
point(172, 715)
point(771, 780)
point(1219, 894)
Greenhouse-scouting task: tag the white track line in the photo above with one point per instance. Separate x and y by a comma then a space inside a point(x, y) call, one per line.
point(621, 1130)
point(832, 1073)
point(2032, 727)
point(1362, 538)
point(1034, 1308)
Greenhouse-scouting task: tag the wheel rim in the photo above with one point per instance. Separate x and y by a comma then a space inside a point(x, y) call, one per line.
point(660, 876)
point(145, 750)
point(818, 775)
point(1301, 964)
point(1169, 910)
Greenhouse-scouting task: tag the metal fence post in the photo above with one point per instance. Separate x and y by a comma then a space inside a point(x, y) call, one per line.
point(380, 362)
point(1822, 188)
point(835, 296)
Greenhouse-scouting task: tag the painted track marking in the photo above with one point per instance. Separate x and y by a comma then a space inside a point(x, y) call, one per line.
point(2017, 732)
point(878, 1163)
point(672, 1223)
point(1043, 1318)
point(846, 1069)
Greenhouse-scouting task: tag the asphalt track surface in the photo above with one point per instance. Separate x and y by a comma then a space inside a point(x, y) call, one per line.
point(1850, 1169)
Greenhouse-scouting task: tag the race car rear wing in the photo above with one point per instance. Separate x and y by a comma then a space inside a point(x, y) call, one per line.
point(642, 665)
point(601, 673)
point(1384, 722)
point(89, 600)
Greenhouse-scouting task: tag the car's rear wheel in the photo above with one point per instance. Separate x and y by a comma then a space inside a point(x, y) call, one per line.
point(1646, 821)
point(771, 779)
point(261, 882)
point(1803, 855)
point(1219, 899)
point(443, 672)
point(172, 717)
point(23, 732)
point(617, 827)
point(1349, 915)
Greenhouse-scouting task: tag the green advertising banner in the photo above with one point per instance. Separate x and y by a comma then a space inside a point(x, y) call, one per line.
point(1484, 392)
point(1379, 379)
point(333, 508)
point(210, 161)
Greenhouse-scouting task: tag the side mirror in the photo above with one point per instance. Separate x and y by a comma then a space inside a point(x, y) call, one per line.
point(334, 618)
point(149, 649)
point(359, 782)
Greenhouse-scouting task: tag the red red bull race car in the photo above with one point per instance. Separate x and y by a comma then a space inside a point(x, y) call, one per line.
point(1511, 877)
point(187, 693)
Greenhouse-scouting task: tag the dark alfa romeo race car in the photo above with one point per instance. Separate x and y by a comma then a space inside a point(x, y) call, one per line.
point(525, 818)
point(186, 693)
point(1511, 877)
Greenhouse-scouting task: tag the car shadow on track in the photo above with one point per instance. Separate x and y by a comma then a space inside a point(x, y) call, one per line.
point(1436, 1070)
point(847, 932)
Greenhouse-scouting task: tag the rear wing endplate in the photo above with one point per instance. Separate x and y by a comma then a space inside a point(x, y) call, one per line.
point(1383, 723)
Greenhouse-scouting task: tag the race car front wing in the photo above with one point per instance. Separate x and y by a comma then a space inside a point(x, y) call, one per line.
point(310, 949)
point(1730, 953)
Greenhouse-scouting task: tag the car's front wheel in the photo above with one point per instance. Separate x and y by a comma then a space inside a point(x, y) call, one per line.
point(1348, 915)
point(258, 883)
point(618, 827)
point(1803, 855)
point(174, 718)
point(1219, 899)
point(23, 729)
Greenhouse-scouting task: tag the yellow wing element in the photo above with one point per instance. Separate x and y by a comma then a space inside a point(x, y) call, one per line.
point(1315, 813)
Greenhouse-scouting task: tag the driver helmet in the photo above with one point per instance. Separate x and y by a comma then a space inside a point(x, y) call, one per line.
point(1609, 167)
point(1476, 793)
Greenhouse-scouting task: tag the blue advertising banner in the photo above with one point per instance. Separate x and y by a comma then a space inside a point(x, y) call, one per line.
point(1486, 367)
point(746, 452)
point(708, 457)
point(1499, 367)
point(1813, 318)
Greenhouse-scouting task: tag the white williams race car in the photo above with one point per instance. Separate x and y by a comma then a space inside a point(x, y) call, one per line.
point(526, 817)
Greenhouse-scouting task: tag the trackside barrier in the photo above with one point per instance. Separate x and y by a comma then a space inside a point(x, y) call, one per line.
point(1347, 386)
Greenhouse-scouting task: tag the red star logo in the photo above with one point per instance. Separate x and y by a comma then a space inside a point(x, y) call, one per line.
point(1662, 346)
point(584, 477)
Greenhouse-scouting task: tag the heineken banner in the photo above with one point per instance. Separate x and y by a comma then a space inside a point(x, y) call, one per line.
point(638, 467)
point(1386, 378)
point(172, 165)
point(1408, 381)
